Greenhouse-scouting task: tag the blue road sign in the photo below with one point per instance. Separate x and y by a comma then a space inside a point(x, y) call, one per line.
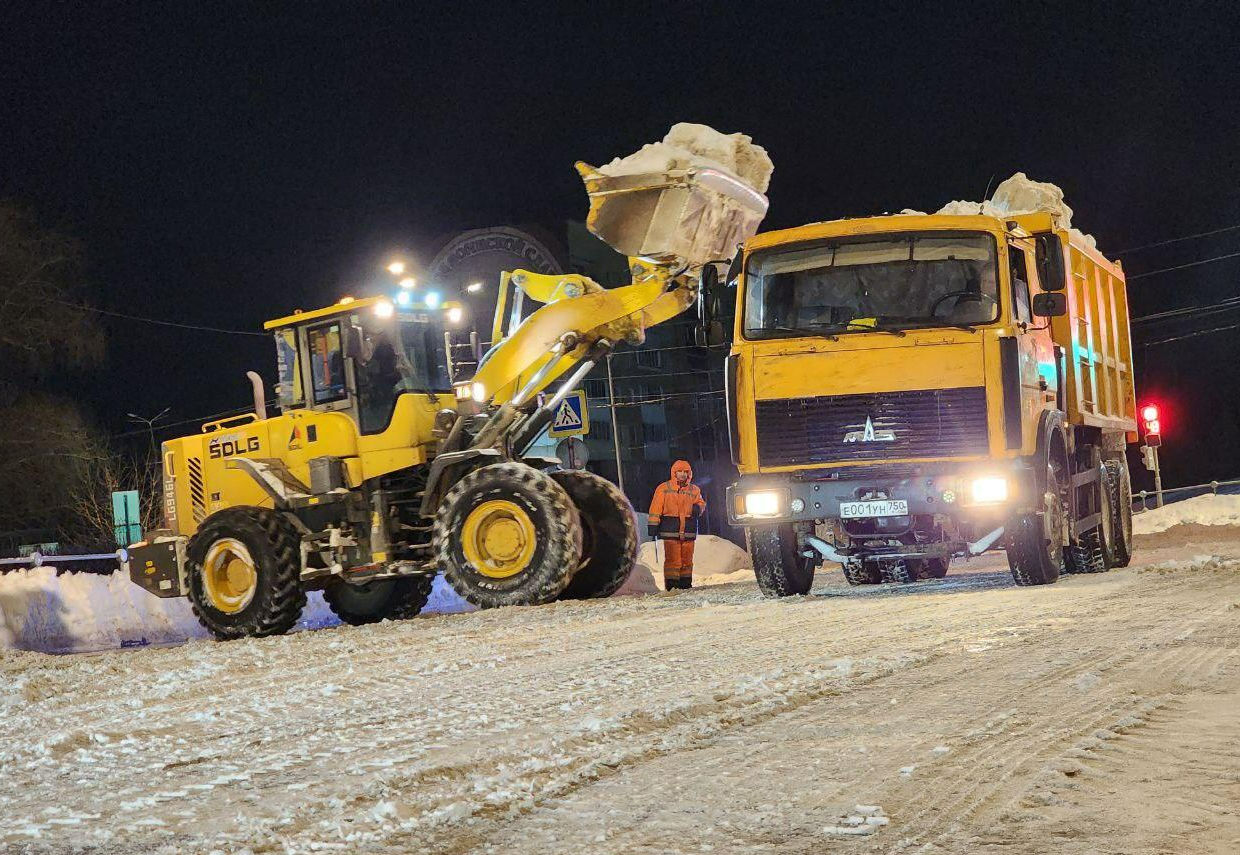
point(570, 418)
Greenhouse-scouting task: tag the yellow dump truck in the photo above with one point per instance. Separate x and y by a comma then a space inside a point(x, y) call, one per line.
point(906, 389)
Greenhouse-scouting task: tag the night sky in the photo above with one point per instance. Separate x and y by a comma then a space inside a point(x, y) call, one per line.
point(225, 166)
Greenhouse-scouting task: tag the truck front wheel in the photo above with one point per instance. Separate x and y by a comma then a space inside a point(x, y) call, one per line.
point(781, 571)
point(1036, 545)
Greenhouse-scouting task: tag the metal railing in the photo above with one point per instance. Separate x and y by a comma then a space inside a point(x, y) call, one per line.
point(1143, 499)
point(35, 559)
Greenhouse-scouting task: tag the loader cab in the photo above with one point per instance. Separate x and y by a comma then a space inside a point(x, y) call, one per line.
point(360, 356)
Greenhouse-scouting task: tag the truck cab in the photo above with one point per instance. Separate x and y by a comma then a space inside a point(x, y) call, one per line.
point(905, 389)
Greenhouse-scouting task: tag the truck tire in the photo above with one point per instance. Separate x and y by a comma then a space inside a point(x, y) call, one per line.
point(862, 573)
point(1092, 552)
point(781, 571)
point(243, 570)
point(610, 535)
point(384, 599)
point(507, 535)
point(1036, 543)
point(1121, 546)
point(929, 568)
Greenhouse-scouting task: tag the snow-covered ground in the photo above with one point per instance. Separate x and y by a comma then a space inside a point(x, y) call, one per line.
point(1095, 715)
point(1207, 510)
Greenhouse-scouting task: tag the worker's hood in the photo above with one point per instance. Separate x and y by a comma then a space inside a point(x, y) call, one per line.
point(680, 466)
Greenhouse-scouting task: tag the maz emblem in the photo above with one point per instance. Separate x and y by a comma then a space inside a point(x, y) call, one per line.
point(869, 434)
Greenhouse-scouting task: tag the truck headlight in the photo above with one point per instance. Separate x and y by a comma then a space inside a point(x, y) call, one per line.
point(988, 491)
point(762, 503)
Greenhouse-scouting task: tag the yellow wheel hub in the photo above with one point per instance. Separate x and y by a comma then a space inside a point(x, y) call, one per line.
point(229, 576)
point(499, 539)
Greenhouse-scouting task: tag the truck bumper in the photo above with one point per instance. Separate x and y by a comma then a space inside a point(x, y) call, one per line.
point(983, 495)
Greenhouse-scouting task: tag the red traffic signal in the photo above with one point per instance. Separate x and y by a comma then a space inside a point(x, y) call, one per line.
point(1151, 424)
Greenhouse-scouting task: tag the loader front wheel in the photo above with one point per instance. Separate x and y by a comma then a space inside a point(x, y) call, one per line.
point(508, 535)
point(385, 599)
point(610, 535)
point(244, 574)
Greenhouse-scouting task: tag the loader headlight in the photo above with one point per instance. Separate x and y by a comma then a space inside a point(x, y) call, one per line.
point(478, 392)
point(988, 491)
point(762, 503)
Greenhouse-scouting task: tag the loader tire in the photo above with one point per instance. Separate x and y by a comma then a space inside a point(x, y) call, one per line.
point(781, 571)
point(507, 535)
point(243, 570)
point(385, 599)
point(1036, 543)
point(1121, 547)
point(610, 535)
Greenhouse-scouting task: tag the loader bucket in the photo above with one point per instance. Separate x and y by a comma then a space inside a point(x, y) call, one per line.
point(697, 214)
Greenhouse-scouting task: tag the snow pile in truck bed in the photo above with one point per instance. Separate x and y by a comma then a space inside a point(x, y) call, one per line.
point(688, 145)
point(1018, 195)
point(78, 612)
point(1201, 510)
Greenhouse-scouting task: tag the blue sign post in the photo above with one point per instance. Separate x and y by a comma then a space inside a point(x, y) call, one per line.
point(126, 526)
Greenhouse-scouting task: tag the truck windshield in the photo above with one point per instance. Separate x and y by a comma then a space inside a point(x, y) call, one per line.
point(867, 283)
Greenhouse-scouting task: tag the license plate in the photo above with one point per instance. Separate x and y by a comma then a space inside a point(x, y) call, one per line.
point(875, 508)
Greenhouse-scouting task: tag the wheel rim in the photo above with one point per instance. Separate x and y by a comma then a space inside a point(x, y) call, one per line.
point(229, 575)
point(1054, 517)
point(499, 539)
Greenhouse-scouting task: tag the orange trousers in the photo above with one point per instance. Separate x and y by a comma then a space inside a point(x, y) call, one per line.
point(679, 562)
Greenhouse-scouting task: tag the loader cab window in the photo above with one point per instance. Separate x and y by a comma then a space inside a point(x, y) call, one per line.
point(290, 381)
point(867, 283)
point(1020, 284)
point(399, 355)
point(325, 349)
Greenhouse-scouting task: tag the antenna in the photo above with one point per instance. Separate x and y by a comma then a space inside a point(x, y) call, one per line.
point(981, 208)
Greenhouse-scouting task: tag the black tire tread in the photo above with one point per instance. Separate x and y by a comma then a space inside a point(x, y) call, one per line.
point(769, 561)
point(406, 600)
point(282, 605)
point(601, 575)
point(1121, 549)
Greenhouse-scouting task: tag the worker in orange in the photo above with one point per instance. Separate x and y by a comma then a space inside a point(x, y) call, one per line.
point(676, 507)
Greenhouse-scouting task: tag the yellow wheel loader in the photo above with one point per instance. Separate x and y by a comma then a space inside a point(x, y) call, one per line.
point(383, 468)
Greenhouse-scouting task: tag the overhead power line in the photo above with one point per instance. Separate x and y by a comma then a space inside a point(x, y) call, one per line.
point(156, 321)
point(1182, 266)
point(1172, 240)
point(1190, 311)
point(1189, 335)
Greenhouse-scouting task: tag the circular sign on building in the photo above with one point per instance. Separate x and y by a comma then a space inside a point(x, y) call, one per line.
point(482, 254)
point(573, 453)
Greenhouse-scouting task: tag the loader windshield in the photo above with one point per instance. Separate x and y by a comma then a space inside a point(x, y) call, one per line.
point(401, 354)
point(868, 283)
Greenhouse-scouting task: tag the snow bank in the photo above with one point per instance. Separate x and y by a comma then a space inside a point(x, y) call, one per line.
point(1201, 510)
point(1018, 195)
point(78, 612)
point(717, 561)
point(687, 145)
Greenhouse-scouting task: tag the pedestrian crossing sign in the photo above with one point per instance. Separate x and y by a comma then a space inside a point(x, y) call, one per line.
point(571, 416)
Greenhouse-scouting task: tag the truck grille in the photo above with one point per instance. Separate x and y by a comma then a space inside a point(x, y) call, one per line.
point(925, 423)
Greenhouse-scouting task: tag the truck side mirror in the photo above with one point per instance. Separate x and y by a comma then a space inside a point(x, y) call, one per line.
point(1050, 304)
point(1050, 255)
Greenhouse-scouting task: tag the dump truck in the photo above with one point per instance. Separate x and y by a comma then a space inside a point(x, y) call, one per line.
point(394, 456)
point(906, 389)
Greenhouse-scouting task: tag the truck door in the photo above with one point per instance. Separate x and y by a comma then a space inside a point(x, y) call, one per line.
point(1038, 376)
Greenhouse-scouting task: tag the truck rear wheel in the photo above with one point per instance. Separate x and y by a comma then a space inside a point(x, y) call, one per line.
point(507, 535)
point(1121, 545)
point(929, 568)
point(244, 574)
point(610, 535)
point(384, 599)
point(1092, 553)
point(863, 572)
point(781, 571)
point(1036, 544)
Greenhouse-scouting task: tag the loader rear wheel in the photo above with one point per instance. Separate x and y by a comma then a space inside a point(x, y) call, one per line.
point(507, 535)
point(1121, 545)
point(1036, 545)
point(610, 535)
point(385, 599)
point(244, 574)
point(781, 571)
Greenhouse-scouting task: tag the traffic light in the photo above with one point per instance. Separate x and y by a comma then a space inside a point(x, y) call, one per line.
point(1151, 425)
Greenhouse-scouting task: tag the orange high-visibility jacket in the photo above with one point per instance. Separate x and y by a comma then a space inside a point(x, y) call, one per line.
point(675, 505)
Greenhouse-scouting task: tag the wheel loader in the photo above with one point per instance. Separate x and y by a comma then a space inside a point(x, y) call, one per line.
point(384, 467)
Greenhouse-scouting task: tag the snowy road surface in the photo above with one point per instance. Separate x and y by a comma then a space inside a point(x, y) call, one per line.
point(1096, 715)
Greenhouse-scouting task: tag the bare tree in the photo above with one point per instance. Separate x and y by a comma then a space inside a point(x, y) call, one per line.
point(103, 473)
